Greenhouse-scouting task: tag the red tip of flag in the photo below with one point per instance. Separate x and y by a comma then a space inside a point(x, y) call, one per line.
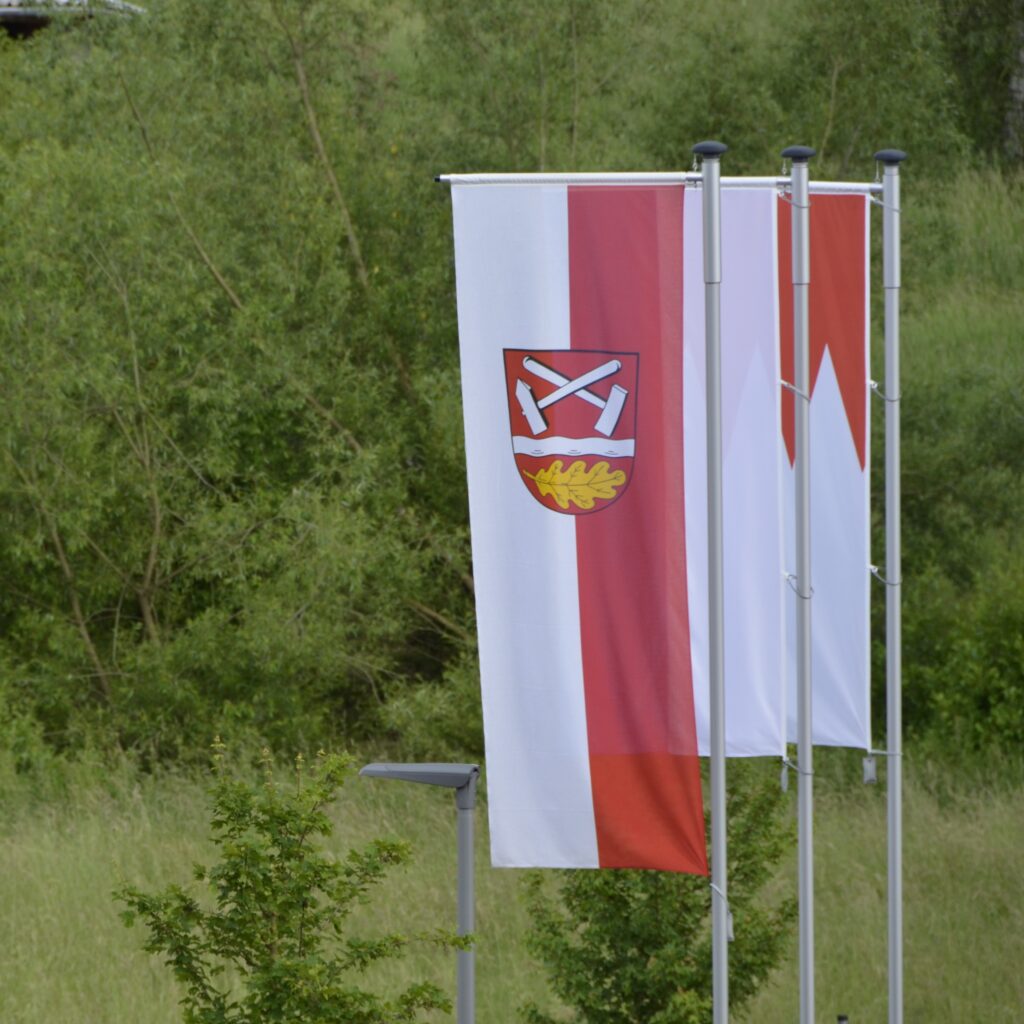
point(838, 314)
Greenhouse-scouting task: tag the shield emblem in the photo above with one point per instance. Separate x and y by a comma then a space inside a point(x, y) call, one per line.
point(572, 415)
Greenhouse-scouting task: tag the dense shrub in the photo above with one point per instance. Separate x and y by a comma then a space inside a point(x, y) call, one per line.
point(634, 947)
point(231, 467)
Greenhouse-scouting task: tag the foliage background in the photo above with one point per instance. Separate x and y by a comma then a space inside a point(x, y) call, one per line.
point(232, 490)
point(231, 482)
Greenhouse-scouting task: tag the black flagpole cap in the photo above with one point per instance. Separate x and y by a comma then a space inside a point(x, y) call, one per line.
point(710, 149)
point(798, 154)
point(890, 156)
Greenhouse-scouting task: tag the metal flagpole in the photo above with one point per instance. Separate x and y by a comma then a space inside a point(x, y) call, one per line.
point(801, 384)
point(711, 153)
point(892, 158)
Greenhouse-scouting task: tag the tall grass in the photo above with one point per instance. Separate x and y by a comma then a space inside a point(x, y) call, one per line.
point(65, 958)
point(963, 906)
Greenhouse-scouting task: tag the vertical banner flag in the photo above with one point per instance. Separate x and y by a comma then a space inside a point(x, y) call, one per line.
point(755, 587)
point(840, 461)
point(580, 362)
point(570, 315)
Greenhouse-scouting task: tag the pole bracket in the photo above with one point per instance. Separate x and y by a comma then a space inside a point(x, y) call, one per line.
point(881, 579)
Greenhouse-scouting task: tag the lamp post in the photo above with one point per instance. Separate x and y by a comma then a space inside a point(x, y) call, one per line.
point(462, 778)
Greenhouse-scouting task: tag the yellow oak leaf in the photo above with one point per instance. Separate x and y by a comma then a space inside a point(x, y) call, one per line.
point(578, 484)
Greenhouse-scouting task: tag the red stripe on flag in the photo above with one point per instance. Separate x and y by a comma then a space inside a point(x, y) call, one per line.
point(836, 301)
point(625, 293)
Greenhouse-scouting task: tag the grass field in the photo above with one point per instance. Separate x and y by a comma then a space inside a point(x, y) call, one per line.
point(65, 958)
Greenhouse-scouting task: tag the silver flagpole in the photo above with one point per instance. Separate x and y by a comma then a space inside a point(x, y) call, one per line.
point(801, 220)
point(892, 158)
point(711, 152)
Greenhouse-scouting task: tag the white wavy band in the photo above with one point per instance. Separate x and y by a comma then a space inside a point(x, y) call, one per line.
point(574, 446)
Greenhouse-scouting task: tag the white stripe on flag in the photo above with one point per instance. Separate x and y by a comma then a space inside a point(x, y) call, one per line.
point(511, 261)
point(754, 583)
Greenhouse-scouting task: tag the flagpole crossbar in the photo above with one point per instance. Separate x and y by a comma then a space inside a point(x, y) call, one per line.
point(781, 184)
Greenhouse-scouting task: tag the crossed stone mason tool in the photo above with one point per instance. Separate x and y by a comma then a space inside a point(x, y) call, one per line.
point(611, 408)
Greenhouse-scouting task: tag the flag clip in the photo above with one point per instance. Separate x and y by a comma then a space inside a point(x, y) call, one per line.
point(730, 931)
point(870, 766)
point(785, 197)
point(796, 391)
point(881, 579)
point(884, 204)
point(873, 384)
point(791, 579)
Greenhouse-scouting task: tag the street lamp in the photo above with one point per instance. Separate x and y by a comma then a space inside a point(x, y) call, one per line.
point(462, 778)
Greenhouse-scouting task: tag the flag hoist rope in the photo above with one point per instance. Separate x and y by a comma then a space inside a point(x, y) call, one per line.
point(711, 153)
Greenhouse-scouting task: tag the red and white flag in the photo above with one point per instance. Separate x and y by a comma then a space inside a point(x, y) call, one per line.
point(840, 459)
point(581, 333)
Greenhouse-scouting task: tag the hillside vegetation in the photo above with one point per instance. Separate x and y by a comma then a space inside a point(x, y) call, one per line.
point(231, 478)
point(232, 493)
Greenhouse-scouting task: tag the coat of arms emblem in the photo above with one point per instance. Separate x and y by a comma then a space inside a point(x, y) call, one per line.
point(573, 419)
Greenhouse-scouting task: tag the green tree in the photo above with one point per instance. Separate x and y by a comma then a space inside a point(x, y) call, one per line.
point(856, 77)
point(273, 946)
point(986, 44)
point(229, 438)
point(634, 947)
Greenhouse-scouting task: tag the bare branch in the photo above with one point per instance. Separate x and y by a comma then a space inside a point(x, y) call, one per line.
point(70, 581)
point(184, 458)
point(432, 615)
point(837, 67)
point(193, 237)
point(344, 214)
point(232, 295)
